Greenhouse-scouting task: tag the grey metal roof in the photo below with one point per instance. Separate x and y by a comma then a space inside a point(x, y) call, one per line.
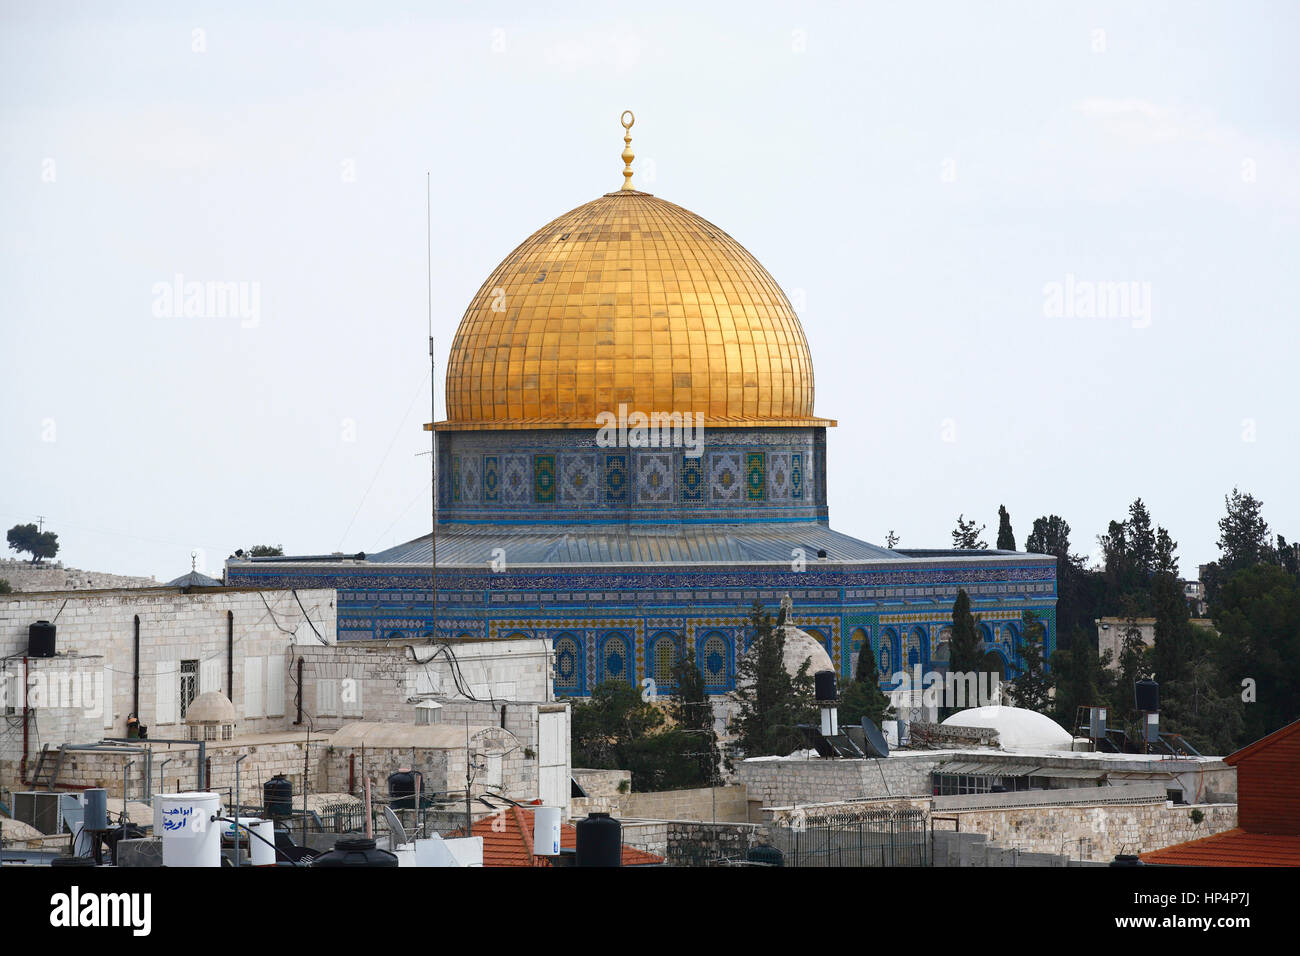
point(194, 580)
point(987, 769)
point(636, 544)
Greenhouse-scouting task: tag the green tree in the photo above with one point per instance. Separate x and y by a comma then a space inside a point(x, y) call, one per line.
point(29, 539)
point(266, 551)
point(692, 711)
point(965, 650)
point(966, 537)
point(1006, 537)
point(863, 696)
point(617, 729)
point(1243, 534)
point(1258, 620)
point(6, 587)
point(771, 702)
point(1173, 627)
point(1083, 679)
point(1031, 689)
point(1141, 539)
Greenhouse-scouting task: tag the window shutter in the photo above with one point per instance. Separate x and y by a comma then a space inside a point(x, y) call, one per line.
point(352, 698)
point(253, 688)
point(210, 675)
point(327, 692)
point(166, 703)
point(275, 686)
point(106, 697)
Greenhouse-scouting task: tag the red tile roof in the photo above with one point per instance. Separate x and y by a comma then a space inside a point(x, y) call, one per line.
point(1268, 810)
point(1231, 848)
point(508, 841)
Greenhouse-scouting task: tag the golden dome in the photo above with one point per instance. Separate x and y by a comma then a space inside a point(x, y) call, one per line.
point(628, 300)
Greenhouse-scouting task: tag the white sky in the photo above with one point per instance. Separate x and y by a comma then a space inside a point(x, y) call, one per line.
point(143, 438)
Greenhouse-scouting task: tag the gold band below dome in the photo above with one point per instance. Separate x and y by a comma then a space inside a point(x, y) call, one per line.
point(630, 300)
point(562, 424)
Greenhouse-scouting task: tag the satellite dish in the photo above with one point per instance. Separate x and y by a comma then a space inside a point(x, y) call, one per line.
point(395, 828)
point(876, 746)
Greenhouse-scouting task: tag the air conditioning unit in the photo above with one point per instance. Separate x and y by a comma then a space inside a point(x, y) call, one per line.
point(45, 809)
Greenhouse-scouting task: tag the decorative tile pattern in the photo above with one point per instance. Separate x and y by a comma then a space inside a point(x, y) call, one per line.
point(692, 480)
point(755, 477)
point(796, 476)
point(544, 479)
point(578, 483)
point(725, 481)
point(654, 478)
point(469, 478)
point(616, 481)
point(516, 479)
point(778, 476)
point(455, 478)
point(491, 479)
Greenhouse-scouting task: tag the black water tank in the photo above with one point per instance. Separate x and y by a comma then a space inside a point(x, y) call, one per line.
point(768, 855)
point(1146, 693)
point(824, 684)
point(600, 841)
point(401, 788)
point(40, 639)
point(358, 852)
point(1127, 859)
point(277, 795)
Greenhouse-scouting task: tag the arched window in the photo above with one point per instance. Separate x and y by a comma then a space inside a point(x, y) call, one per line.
point(943, 647)
point(986, 634)
point(887, 638)
point(615, 661)
point(568, 665)
point(994, 664)
point(714, 661)
point(663, 658)
point(859, 644)
point(916, 647)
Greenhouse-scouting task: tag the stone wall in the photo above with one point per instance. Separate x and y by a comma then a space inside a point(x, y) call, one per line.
point(290, 755)
point(384, 681)
point(175, 628)
point(692, 843)
point(25, 576)
point(1096, 833)
point(784, 782)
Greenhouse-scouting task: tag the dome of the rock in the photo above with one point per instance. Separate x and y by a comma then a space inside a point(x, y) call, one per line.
point(631, 300)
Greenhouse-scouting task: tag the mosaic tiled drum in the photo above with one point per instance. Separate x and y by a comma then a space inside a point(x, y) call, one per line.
point(624, 546)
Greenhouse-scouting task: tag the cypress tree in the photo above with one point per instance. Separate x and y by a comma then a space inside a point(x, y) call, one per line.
point(965, 653)
point(771, 701)
point(1006, 537)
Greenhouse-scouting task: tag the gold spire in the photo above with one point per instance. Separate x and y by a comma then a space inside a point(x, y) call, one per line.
point(627, 119)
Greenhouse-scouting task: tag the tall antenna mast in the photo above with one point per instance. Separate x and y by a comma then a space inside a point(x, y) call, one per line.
point(433, 403)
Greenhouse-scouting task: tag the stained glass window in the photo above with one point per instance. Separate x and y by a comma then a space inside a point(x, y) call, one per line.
point(568, 665)
point(714, 661)
point(665, 659)
point(615, 659)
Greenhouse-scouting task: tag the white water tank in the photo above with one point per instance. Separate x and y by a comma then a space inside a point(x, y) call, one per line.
point(259, 853)
point(190, 836)
point(546, 831)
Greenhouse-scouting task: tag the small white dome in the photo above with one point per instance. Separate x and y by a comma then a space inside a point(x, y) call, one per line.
point(1018, 729)
point(801, 646)
point(210, 707)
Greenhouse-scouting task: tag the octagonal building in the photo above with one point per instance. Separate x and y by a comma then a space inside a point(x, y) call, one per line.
point(631, 458)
